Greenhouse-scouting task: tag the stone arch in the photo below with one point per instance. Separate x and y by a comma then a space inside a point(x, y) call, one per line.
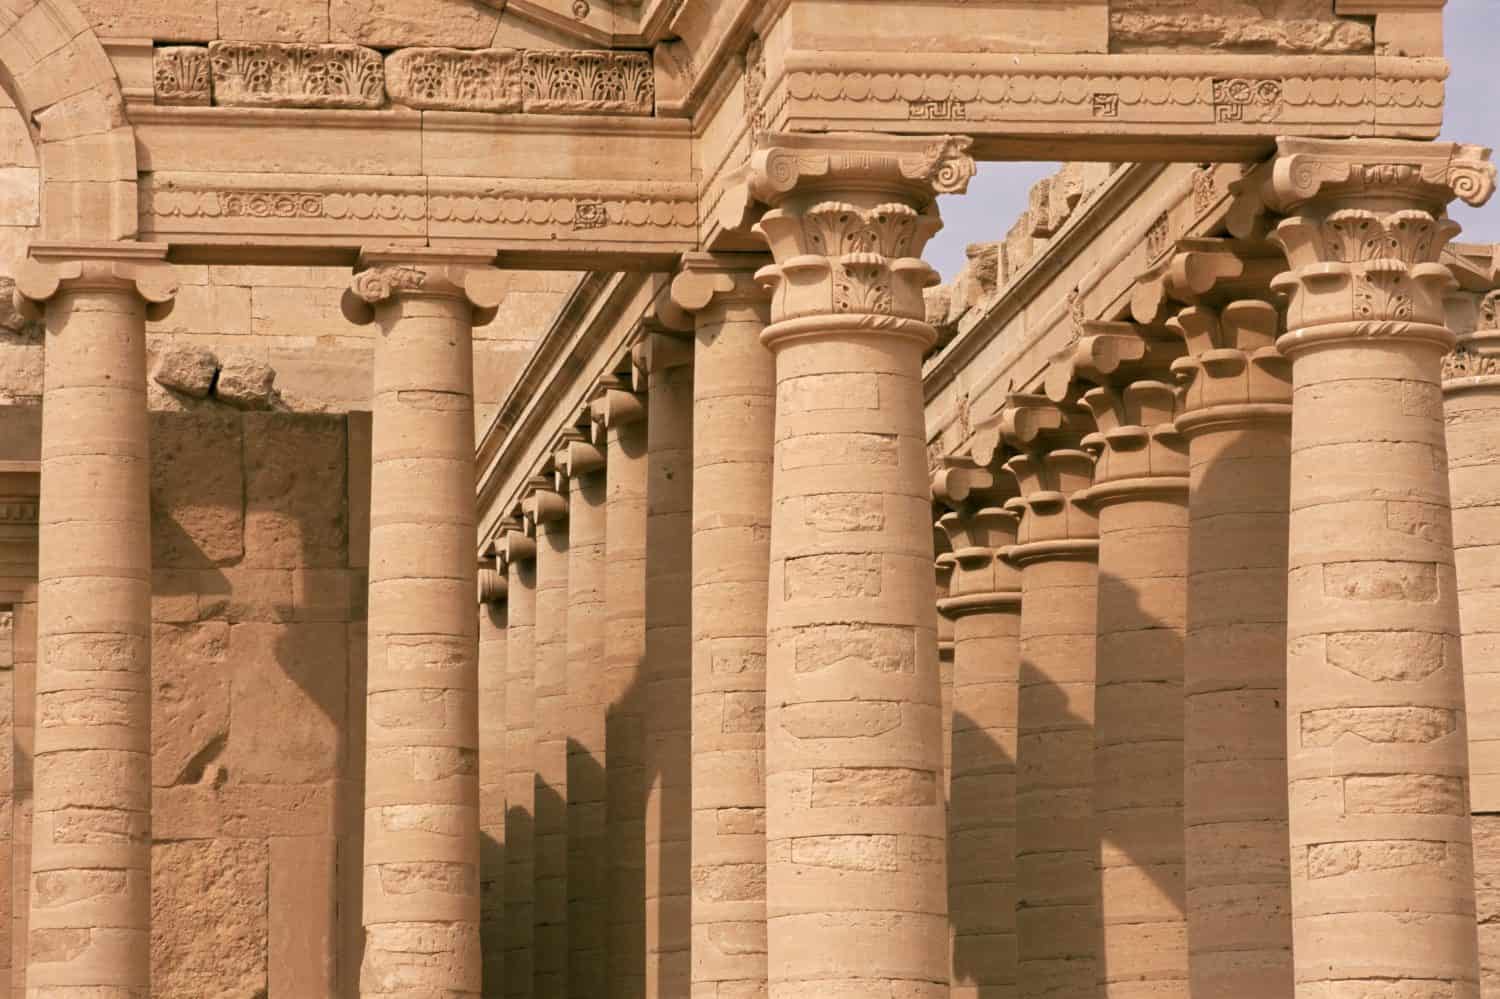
point(56, 71)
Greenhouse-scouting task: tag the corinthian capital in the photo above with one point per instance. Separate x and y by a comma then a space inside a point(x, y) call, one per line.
point(140, 268)
point(391, 273)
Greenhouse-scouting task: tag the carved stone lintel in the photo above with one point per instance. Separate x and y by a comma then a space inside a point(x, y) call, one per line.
point(141, 268)
point(388, 274)
point(180, 75)
point(267, 74)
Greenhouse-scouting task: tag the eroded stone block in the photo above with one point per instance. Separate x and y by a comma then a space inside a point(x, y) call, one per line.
point(208, 919)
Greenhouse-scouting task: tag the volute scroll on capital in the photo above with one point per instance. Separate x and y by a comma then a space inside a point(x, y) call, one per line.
point(50, 268)
point(388, 274)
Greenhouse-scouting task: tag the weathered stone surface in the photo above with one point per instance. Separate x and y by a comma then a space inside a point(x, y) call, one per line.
point(288, 702)
point(187, 369)
point(208, 927)
point(393, 23)
point(273, 21)
point(246, 383)
point(1235, 25)
point(197, 490)
point(272, 74)
point(294, 489)
point(190, 683)
point(180, 75)
point(485, 80)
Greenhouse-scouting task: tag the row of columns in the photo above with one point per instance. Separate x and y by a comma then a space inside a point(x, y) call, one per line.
point(786, 667)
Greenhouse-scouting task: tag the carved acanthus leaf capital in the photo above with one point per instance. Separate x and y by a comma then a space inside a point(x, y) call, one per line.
point(139, 268)
point(1232, 369)
point(1428, 174)
point(388, 274)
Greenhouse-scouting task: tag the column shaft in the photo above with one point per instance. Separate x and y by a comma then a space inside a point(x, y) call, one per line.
point(90, 888)
point(520, 776)
point(624, 671)
point(586, 705)
point(550, 942)
point(1057, 922)
point(493, 683)
point(421, 887)
point(669, 430)
point(733, 435)
point(1237, 874)
point(982, 810)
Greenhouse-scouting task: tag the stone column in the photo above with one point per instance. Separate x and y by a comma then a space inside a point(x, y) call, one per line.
point(1471, 407)
point(984, 602)
point(90, 897)
point(1236, 417)
point(493, 681)
point(855, 831)
point(620, 428)
point(943, 567)
point(581, 465)
point(516, 554)
point(734, 416)
point(1140, 494)
point(1382, 883)
point(546, 512)
point(668, 363)
point(1057, 552)
point(421, 860)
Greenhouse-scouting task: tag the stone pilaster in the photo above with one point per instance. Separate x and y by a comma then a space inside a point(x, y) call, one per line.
point(1236, 418)
point(421, 861)
point(734, 397)
point(516, 556)
point(984, 601)
point(856, 839)
point(493, 682)
point(1140, 495)
point(668, 364)
point(1471, 408)
point(581, 470)
point(90, 888)
point(1057, 552)
point(546, 512)
point(1382, 875)
point(619, 418)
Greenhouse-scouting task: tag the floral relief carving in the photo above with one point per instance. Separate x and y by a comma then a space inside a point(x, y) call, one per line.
point(755, 86)
point(586, 81)
point(254, 74)
point(836, 229)
point(1467, 364)
point(1489, 311)
point(1205, 189)
point(478, 80)
point(862, 284)
point(1244, 100)
point(180, 75)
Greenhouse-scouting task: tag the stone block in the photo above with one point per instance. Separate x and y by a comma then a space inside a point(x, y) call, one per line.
point(162, 20)
point(255, 811)
point(187, 369)
point(209, 919)
point(180, 75)
point(294, 481)
point(288, 702)
point(218, 310)
point(274, 74)
point(303, 933)
point(190, 701)
point(197, 490)
point(274, 21)
point(246, 383)
point(395, 23)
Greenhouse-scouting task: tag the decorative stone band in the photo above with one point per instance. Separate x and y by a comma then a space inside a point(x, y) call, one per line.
point(18, 512)
point(273, 74)
point(396, 272)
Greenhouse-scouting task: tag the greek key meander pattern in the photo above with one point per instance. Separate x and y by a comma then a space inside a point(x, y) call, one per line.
point(265, 74)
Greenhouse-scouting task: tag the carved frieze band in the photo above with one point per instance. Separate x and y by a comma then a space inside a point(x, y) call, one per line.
point(411, 206)
point(1244, 92)
point(268, 74)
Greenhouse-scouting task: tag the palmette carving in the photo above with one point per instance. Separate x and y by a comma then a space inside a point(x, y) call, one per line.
point(180, 74)
point(1463, 363)
point(462, 79)
point(561, 81)
point(255, 74)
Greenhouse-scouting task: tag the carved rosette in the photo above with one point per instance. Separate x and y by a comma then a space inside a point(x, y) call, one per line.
point(1137, 447)
point(389, 275)
point(81, 268)
point(1365, 233)
point(1232, 370)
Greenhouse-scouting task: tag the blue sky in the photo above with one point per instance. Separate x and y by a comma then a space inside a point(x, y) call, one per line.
point(997, 196)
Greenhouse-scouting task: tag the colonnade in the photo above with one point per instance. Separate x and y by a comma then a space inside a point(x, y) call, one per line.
point(1207, 691)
